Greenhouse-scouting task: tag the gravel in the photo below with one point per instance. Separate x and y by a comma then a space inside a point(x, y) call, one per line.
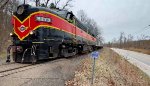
point(51, 73)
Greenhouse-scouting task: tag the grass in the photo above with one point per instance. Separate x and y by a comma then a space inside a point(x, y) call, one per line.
point(3, 50)
point(132, 74)
point(145, 51)
point(111, 70)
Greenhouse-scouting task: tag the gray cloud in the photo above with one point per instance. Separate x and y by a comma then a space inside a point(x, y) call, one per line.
point(116, 16)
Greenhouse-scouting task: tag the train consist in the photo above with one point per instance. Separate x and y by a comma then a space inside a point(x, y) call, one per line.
point(42, 33)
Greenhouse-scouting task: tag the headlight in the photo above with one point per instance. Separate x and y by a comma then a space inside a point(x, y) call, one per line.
point(11, 34)
point(20, 10)
point(31, 32)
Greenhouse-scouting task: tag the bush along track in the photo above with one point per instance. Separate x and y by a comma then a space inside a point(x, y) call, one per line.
point(111, 70)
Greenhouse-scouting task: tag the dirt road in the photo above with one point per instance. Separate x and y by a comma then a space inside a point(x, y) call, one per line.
point(138, 59)
point(52, 73)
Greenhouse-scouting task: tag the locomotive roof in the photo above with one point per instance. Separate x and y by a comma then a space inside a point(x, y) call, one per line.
point(30, 9)
point(59, 12)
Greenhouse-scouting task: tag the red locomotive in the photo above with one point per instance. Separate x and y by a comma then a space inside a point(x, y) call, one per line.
point(42, 33)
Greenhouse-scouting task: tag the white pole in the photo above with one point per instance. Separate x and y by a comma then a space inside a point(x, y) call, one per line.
point(93, 71)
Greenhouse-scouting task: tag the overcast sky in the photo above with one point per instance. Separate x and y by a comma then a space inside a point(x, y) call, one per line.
point(115, 16)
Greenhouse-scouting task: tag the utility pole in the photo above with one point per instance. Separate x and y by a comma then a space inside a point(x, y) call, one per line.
point(24, 2)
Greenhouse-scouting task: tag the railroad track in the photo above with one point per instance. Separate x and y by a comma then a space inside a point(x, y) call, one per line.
point(13, 70)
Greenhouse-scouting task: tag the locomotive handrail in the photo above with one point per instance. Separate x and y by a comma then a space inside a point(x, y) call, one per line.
point(33, 49)
point(24, 54)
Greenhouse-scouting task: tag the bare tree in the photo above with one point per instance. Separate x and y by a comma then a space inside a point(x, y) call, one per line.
point(46, 3)
point(37, 2)
point(67, 4)
point(121, 39)
point(7, 7)
point(3, 4)
point(57, 2)
point(82, 16)
point(128, 42)
point(92, 25)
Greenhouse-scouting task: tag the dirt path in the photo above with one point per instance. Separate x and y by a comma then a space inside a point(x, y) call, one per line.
point(140, 60)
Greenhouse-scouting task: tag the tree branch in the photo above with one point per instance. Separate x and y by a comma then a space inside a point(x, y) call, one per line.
point(1, 7)
point(46, 3)
point(1, 1)
point(57, 2)
point(37, 2)
point(67, 4)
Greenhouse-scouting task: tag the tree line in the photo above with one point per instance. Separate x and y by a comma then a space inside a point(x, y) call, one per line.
point(92, 25)
point(54, 3)
point(129, 41)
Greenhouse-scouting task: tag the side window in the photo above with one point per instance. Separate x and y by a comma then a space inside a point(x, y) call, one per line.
point(70, 17)
point(74, 21)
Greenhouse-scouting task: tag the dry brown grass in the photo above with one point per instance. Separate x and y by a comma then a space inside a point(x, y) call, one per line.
point(145, 51)
point(111, 70)
point(3, 50)
point(132, 75)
